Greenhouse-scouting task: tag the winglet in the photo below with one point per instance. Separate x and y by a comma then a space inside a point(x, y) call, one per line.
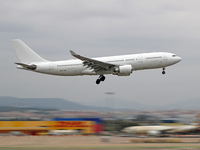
point(73, 53)
point(76, 55)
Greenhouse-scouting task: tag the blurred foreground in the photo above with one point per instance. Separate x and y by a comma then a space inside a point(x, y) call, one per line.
point(173, 123)
point(94, 142)
point(32, 128)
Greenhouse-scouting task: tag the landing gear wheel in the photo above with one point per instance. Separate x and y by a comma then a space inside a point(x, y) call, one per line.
point(102, 78)
point(98, 81)
point(163, 72)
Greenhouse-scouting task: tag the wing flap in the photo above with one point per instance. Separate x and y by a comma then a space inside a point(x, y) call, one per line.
point(93, 64)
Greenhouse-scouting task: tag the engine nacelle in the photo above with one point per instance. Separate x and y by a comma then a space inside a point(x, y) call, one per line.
point(124, 70)
point(154, 133)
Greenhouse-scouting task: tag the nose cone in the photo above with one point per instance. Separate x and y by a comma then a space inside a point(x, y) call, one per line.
point(178, 59)
point(175, 59)
point(126, 130)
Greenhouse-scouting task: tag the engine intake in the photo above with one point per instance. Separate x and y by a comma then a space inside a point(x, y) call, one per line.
point(154, 133)
point(124, 70)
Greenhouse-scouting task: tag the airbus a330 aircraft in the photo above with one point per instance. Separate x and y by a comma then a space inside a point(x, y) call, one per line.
point(122, 65)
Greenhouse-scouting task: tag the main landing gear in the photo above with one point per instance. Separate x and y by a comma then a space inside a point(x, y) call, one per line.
point(163, 72)
point(101, 78)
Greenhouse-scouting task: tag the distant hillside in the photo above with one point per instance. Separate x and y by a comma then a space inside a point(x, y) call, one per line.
point(186, 104)
point(43, 103)
point(131, 104)
point(57, 103)
point(121, 104)
point(23, 109)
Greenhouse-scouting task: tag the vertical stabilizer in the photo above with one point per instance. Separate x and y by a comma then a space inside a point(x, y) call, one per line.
point(26, 54)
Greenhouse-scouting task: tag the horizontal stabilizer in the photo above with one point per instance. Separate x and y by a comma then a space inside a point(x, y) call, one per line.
point(25, 66)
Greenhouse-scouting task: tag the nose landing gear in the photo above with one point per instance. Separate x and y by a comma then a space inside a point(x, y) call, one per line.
point(163, 72)
point(101, 78)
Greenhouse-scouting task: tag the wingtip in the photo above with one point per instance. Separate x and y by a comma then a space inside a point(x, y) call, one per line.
point(72, 53)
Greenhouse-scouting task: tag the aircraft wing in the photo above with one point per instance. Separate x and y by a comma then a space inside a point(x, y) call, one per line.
point(95, 65)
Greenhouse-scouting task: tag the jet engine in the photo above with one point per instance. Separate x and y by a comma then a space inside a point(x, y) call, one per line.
point(154, 133)
point(124, 70)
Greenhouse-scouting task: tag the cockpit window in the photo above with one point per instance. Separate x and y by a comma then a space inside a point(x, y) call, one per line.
point(173, 55)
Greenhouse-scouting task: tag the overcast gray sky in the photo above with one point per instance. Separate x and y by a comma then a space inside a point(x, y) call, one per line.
point(101, 28)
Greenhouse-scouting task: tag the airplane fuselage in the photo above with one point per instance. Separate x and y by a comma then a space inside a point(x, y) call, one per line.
point(75, 67)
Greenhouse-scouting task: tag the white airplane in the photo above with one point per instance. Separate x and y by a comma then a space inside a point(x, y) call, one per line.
point(122, 65)
point(147, 130)
point(159, 130)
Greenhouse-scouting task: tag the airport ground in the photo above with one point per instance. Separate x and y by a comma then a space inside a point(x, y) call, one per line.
point(92, 142)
